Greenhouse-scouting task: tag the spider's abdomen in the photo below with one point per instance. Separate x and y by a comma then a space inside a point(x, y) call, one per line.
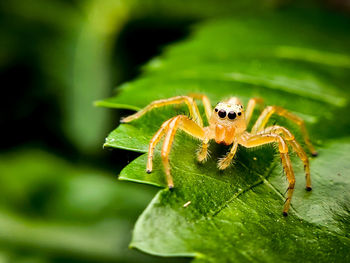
point(224, 134)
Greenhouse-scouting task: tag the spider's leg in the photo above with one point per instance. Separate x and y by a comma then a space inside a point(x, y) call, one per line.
point(178, 122)
point(154, 141)
point(289, 137)
point(250, 108)
point(302, 155)
point(266, 114)
point(227, 159)
point(260, 139)
point(192, 106)
point(206, 103)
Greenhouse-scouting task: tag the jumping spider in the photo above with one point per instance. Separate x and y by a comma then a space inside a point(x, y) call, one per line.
point(228, 125)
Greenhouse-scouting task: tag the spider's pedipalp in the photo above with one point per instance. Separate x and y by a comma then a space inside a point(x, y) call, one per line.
point(203, 153)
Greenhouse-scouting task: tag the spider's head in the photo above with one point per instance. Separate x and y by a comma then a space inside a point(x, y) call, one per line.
point(228, 111)
point(227, 121)
point(229, 115)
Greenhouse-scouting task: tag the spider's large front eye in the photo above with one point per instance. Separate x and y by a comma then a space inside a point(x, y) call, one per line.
point(231, 115)
point(222, 113)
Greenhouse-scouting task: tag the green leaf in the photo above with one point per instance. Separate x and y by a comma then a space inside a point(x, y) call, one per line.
point(298, 61)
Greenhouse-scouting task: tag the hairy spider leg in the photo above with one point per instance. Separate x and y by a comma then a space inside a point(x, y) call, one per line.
point(289, 137)
point(206, 103)
point(266, 114)
point(169, 129)
point(227, 159)
point(191, 104)
point(154, 141)
point(202, 154)
point(250, 108)
point(251, 140)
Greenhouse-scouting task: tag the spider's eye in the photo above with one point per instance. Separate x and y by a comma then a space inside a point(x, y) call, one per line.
point(231, 115)
point(239, 113)
point(222, 113)
point(216, 109)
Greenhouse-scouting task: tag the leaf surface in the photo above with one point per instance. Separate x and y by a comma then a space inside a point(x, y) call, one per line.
point(294, 61)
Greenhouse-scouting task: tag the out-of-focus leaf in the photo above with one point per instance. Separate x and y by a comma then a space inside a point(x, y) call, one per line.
point(42, 185)
point(298, 61)
point(49, 205)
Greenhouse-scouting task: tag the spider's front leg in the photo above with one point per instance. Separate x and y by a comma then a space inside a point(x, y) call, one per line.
point(261, 139)
point(191, 104)
point(205, 101)
point(169, 129)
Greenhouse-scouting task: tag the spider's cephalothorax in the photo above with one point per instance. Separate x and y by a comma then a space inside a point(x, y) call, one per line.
point(228, 125)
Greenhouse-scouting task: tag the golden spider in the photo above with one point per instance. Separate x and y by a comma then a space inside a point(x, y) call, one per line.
point(228, 125)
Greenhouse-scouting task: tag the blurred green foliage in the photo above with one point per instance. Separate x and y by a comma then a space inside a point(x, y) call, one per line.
point(59, 198)
point(50, 205)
